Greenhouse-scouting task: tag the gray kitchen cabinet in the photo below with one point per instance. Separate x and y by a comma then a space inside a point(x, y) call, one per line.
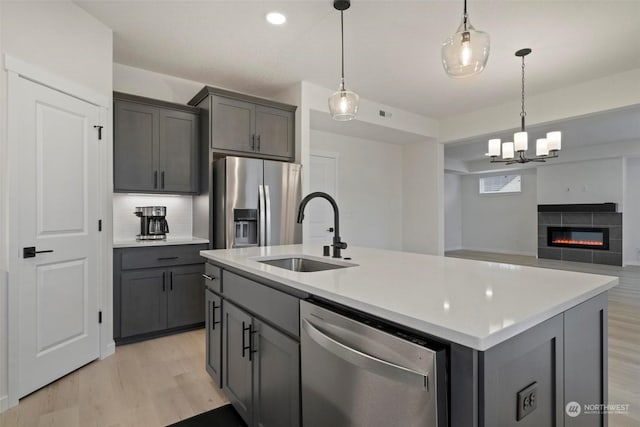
point(237, 360)
point(233, 124)
point(259, 351)
point(156, 291)
point(239, 124)
point(135, 146)
point(155, 146)
point(274, 131)
point(144, 302)
point(276, 378)
point(184, 302)
point(213, 326)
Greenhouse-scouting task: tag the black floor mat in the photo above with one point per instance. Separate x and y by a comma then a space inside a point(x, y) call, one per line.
point(224, 416)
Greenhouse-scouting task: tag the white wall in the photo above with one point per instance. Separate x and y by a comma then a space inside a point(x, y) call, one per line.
point(63, 39)
point(631, 217)
point(422, 198)
point(369, 189)
point(137, 81)
point(452, 212)
point(593, 181)
point(504, 223)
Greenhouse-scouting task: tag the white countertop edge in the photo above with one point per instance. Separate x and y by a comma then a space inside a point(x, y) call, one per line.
point(474, 342)
point(133, 243)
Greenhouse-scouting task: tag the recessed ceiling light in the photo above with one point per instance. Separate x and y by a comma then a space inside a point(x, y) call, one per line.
point(276, 18)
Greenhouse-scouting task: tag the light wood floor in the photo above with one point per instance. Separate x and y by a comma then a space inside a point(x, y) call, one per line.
point(161, 381)
point(152, 383)
point(624, 326)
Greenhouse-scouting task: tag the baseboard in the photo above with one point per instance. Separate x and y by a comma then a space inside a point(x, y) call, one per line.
point(4, 403)
point(499, 251)
point(109, 350)
point(457, 248)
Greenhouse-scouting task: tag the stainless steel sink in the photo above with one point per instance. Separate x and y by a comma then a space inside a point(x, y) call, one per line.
point(303, 264)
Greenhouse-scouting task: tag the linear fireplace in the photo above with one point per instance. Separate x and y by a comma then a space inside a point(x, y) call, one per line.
point(578, 237)
point(581, 233)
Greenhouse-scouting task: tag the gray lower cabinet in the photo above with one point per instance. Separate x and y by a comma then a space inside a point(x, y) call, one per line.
point(154, 293)
point(184, 302)
point(213, 325)
point(237, 360)
point(144, 301)
point(276, 378)
point(155, 146)
point(261, 370)
point(252, 350)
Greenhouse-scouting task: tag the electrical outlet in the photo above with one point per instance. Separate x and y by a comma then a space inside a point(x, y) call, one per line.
point(527, 400)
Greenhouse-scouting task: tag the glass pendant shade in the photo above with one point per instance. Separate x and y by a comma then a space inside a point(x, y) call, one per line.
point(466, 52)
point(343, 105)
point(494, 147)
point(542, 147)
point(521, 141)
point(507, 150)
point(554, 140)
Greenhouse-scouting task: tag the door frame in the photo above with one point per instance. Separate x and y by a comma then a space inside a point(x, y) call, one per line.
point(17, 69)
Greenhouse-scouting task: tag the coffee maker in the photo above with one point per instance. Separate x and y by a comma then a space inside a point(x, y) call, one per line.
point(153, 224)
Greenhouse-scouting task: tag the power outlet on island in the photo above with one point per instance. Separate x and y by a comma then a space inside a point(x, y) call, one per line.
point(527, 400)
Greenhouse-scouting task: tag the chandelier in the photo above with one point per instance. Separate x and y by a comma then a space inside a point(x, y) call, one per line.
point(515, 151)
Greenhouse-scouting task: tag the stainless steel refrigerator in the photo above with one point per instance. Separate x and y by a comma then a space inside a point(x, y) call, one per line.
point(255, 203)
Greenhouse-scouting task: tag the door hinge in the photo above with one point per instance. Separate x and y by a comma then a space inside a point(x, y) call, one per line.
point(99, 225)
point(99, 131)
point(99, 317)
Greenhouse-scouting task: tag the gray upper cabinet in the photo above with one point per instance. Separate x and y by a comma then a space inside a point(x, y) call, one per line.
point(233, 122)
point(135, 146)
point(274, 131)
point(246, 125)
point(155, 146)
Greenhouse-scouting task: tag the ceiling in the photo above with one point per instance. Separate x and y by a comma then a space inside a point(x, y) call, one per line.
point(595, 129)
point(392, 47)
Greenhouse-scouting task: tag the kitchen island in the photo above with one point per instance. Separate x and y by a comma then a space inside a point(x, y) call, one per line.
point(521, 342)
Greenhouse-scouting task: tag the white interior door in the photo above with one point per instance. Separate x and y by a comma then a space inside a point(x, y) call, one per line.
point(323, 177)
point(59, 207)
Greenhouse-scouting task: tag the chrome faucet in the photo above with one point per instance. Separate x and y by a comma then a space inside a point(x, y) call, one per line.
point(337, 244)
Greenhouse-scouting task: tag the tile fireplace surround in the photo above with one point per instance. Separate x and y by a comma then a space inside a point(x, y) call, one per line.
point(597, 216)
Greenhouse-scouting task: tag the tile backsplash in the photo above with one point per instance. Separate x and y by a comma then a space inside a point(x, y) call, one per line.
point(126, 225)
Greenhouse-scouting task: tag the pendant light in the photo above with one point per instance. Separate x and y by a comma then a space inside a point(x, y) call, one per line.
point(515, 152)
point(343, 104)
point(466, 52)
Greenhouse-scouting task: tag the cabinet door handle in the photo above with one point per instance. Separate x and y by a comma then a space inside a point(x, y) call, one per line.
point(258, 142)
point(167, 258)
point(253, 142)
point(162, 179)
point(252, 332)
point(213, 316)
point(206, 276)
point(163, 282)
point(244, 346)
point(171, 280)
point(155, 179)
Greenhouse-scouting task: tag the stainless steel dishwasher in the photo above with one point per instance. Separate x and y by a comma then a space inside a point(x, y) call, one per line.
point(359, 372)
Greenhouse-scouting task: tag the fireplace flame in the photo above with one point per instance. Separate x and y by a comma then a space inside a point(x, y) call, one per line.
point(578, 242)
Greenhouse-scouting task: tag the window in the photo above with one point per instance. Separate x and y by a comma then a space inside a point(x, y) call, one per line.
point(500, 184)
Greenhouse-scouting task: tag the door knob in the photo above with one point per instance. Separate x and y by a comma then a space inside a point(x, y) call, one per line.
point(30, 252)
point(330, 229)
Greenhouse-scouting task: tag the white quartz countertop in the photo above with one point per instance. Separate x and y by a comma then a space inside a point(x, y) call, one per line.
point(132, 243)
point(477, 304)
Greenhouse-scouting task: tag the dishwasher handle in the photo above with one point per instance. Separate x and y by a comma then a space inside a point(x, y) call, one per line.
point(371, 363)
